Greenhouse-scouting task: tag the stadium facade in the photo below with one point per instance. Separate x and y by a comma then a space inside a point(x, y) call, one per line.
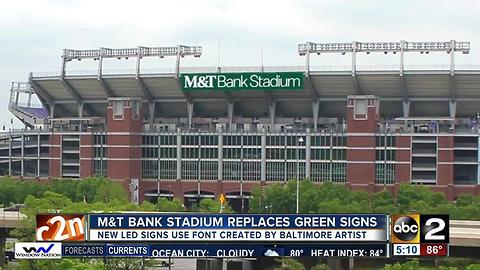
point(200, 132)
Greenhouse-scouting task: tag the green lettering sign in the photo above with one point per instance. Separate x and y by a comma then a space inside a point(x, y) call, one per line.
point(261, 81)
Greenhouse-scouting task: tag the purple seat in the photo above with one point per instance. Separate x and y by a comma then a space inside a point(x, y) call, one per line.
point(41, 113)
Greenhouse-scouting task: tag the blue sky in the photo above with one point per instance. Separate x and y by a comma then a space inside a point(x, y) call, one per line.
point(33, 32)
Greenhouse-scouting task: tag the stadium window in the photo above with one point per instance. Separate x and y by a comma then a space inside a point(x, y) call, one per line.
point(118, 109)
point(135, 109)
point(360, 109)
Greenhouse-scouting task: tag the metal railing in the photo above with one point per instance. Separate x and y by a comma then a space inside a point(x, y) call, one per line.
point(255, 69)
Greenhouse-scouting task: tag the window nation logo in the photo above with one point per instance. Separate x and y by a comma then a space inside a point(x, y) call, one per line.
point(35, 250)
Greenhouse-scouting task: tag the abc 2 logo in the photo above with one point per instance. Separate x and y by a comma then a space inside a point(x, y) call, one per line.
point(51, 227)
point(416, 229)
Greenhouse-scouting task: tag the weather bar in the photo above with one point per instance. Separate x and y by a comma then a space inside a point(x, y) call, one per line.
point(226, 250)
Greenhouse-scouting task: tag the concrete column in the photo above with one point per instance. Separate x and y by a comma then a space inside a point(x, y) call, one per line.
point(271, 110)
point(406, 108)
point(29, 100)
point(263, 164)
point(80, 110)
point(52, 110)
point(220, 155)
point(315, 107)
point(100, 64)
point(63, 68)
point(452, 108)
point(307, 59)
point(139, 58)
point(452, 57)
point(177, 62)
point(354, 58)
point(230, 115)
point(179, 154)
point(151, 115)
point(190, 113)
point(16, 98)
point(308, 143)
point(403, 44)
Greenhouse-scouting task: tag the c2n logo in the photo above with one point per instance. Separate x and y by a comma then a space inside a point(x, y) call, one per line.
point(60, 228)
point(40, 249)
point(420, 229)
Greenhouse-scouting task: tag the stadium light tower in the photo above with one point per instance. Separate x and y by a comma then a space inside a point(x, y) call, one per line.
point(139, 52)
point(401, 47)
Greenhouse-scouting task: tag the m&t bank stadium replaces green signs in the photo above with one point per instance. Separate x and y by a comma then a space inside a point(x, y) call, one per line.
point(261, 81)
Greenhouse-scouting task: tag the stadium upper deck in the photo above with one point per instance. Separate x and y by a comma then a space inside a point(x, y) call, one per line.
point(405, 92)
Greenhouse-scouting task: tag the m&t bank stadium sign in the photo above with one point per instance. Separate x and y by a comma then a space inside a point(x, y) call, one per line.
point(261, 81)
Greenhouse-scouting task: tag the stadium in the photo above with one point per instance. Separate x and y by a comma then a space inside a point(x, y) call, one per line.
point(196, 133)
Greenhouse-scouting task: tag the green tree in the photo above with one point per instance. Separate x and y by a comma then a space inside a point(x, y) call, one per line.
point(410, 265)
point(166, 205)
point(320, 266)
point(208, 205)
point(289, 264)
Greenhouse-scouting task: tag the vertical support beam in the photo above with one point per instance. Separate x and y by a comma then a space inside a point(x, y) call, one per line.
point(315, 107)
point(179, 154)
point(230, 108)
point(452, 109)
point(17, 94)
point(307, 59)
point(406, 108)
point(29, 102)
point(263, 164)
point(220, 154)
point(403, 45)
point(452, 57)
point(271, 110)
point(52, 110)
point(177, 62)
point(151, 113)
point(354, 58)
point(100, 64)
point(80, 110)
point(139, 58)
point(63, 68)
point(308, 143)
point(190, 113)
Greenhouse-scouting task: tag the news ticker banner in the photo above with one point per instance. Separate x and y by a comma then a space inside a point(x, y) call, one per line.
point(410, 235)
point(236, 228)
point(57, 250)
